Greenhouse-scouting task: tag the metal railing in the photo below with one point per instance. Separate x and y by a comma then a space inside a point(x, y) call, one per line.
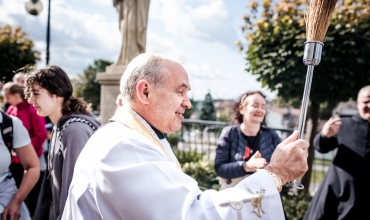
point(201, 136)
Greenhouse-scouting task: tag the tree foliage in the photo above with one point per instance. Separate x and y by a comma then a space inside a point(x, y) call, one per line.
point(282, 103)
point(207, 111)
point(16, 51)
point(276, 36)
point(87, 86)
point(276, 33)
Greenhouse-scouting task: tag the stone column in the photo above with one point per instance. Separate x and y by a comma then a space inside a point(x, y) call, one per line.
point(109, 81)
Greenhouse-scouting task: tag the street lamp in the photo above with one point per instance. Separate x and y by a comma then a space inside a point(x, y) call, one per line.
point(34, 7)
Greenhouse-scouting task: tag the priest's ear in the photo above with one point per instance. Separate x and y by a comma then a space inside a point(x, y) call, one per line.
point(142, 91)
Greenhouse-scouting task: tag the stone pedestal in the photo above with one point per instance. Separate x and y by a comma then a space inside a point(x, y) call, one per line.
point(109, 81)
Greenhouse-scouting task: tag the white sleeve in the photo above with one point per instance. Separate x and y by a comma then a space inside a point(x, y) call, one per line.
point(129, 178)
point(134, 193)
point(21, 138)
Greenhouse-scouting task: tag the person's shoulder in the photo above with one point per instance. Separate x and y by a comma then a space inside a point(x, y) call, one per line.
point(355, 118)
point(76, 126)
point(78, 119)
point(117, 132)
point(233, 127)
point(21, 137)
point(15, 120)
point(268, 130)
point(230, 128)
point(270, 133)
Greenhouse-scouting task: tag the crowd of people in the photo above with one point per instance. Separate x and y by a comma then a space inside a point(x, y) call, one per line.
point(31, 101)
point(57, 164)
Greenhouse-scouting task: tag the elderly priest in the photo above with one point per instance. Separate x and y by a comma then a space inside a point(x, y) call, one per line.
point(128, 171)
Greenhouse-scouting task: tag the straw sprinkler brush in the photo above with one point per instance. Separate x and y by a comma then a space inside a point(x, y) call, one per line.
point(317, 16)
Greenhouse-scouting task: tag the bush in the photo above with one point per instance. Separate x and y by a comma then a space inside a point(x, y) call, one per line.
point(203, 172)
point(201, 169)
point(188, 156)
point(295, 203)
point(173, 139)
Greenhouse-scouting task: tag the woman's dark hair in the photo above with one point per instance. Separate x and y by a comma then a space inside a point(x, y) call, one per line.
point(239, 117)
point(17, 89)
point(56, 82)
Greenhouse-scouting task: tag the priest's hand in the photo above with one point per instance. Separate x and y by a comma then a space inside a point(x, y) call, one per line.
point(331, 127)
point(289, 160)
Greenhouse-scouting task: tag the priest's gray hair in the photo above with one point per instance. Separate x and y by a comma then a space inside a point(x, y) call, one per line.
point(148, 66)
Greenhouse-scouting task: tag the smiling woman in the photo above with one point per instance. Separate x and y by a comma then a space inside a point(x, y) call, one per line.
point(248, 146)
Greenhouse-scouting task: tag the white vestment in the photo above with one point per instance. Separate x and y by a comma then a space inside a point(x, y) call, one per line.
point(121, 174)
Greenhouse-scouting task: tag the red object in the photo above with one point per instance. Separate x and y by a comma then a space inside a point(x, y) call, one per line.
point(247, 153)
point(14, 159)
point(34, 124)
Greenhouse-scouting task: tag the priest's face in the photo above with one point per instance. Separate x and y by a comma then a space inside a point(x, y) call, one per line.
point(168, 103)
point(363, 104)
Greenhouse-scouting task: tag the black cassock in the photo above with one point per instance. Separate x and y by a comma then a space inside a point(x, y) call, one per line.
point(345, 191)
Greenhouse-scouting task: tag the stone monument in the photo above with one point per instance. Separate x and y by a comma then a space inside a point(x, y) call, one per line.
point(133, 19)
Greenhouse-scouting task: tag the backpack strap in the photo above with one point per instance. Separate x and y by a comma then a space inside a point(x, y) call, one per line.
point(6, 128)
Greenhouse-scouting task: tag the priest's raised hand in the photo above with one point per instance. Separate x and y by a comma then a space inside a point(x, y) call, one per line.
point(289, 160)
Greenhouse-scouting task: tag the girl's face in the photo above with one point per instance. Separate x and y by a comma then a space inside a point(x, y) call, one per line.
point(45, 103)
point(254, 109)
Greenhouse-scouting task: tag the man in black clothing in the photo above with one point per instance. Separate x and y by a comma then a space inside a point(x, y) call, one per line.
point(345, 192)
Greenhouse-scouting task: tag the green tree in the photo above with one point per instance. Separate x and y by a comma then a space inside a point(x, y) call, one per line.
point(87, 86)
point(16, 51)
point(207, 111)
point(282, 103)
point(275, 31)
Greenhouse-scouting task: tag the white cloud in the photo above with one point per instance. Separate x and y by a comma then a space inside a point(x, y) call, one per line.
point(199, 33)
point(80, 38)
point(163, 45)
point(204, 71)
point(77, 38)
point(11, 8)
point(102, 2)
point(209, 21)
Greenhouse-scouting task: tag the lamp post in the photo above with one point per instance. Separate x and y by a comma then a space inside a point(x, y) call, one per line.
point(34, 7)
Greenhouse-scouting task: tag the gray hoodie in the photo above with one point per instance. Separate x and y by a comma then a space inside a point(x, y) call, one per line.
point(67, 141)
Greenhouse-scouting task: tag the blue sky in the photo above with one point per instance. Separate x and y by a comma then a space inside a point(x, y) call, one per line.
point(199, 33)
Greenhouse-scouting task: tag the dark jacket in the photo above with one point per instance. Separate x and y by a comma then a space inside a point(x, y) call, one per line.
point(63, 154)
point(231, 147)
point(344, 193)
